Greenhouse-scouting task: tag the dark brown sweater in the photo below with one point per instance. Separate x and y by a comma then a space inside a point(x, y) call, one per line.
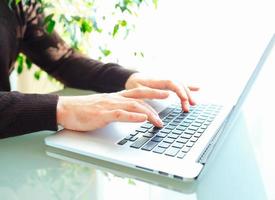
point(22, 30)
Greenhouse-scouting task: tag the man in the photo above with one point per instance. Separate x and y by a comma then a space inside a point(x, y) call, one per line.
point(22, 30)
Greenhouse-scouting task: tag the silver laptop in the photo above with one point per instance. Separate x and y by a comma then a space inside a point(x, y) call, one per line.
point(179, 150)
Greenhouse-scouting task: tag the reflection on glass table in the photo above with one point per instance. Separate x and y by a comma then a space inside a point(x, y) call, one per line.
point(29, 170)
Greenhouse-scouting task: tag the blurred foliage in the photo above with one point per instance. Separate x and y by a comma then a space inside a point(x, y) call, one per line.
point(77, 20)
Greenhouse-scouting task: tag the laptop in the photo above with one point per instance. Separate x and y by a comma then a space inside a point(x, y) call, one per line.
point(179, 150)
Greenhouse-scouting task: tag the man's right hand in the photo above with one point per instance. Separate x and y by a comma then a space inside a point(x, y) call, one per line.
point(85, 113)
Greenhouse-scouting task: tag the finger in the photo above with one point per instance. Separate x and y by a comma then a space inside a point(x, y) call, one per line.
point(181, 93)
point(125, 116)
point(142, 107)
point(190, 98)
point(193, 88)
point(145, 93)
point(167, 85)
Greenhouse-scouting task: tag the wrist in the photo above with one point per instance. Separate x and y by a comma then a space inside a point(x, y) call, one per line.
point(60, 111)
point(131, 83)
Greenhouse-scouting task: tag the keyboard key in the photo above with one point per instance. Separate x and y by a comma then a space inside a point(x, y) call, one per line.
point(185, 149)
point(178, 132)
point(197, 135)
point(147, 126)
point(193, 139)
point(201, 130)
point(133, 138)
point(177, 145)
point(181, 155)
point(149, 146)
point(160, 134)
point(188, 121)
point(181, 128)
point(171, 127)
point(172, 151)
point(185, 124)
point(186, 136)
point(183, 114)
point(190, 144)
point(159, 150)
point(204, 126)
point(196, 124)
point(141, 141)
point(142, 130)
point(193, 128)
point(128, 137)
point(199, 121)
point(190, 132)
point(164, 145)
point(165, 112)
point(168, 140)
point(191, 118)
point(165, 130)
point(182, 140)
point(173, 136)
point(148, 135)
point(154, 130)
point(122, 142)
point(157, 139)
point(134, 134)
point(174, 124)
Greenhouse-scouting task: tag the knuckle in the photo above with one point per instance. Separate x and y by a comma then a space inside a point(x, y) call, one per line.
point(134, 105)
point(169, 82)
point(118, 114)
point(131, 117)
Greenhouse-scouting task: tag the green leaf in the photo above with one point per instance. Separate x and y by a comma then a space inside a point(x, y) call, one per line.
point(48, 19)
point(37, 74)
point(51, 26)
point(116, 27)
point(20, 62)
point(131, 182)
point(86, 26)
point(123, 23)
point(76, 18)
point(49, 23)
point(155, 2)
point(28, 63)
point(105, 52)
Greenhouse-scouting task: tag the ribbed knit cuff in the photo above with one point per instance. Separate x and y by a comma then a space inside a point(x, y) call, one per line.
point(26, 113)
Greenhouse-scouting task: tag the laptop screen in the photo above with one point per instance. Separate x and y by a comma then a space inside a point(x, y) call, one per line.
point(226, 83)
point(266, 59)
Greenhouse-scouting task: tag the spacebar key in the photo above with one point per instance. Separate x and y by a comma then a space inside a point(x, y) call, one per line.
point(141, 141)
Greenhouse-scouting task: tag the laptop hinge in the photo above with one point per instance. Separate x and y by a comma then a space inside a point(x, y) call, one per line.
point(210, 147)
point(207, 151)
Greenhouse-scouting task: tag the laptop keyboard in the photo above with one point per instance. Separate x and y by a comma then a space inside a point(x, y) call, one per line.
point(180, 132)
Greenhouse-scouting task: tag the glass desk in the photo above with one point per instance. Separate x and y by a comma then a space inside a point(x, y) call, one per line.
point(241, 167)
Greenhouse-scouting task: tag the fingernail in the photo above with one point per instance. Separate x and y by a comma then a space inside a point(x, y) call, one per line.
point(159, 121)
point(186, 106)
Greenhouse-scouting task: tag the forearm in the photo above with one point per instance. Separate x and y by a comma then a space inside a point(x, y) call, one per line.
point(70, 67)
point(82, 72)
point(26, 113)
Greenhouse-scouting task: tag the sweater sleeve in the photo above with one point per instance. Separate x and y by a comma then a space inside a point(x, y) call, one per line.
point(25, 113)
point(52, 54)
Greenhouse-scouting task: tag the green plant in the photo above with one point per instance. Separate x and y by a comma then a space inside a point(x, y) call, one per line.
point(78, 20)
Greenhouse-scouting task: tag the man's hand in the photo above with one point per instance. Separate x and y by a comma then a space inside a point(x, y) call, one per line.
point(85, 113)
point(138, 80)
